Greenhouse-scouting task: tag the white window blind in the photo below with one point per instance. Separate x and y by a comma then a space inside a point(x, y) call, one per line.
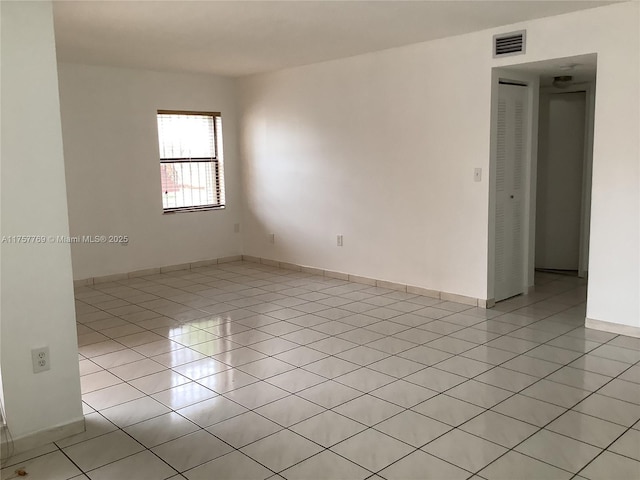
point(190, 145)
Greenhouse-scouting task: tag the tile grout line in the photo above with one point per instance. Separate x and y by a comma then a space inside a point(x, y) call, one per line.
point(388, 336)
point(299, 367)
point(551, 421)
point(490, 408)
point(201, 428)
point(419, 448)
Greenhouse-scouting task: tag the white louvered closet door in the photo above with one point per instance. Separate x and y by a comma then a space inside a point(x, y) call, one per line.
point(510, 175)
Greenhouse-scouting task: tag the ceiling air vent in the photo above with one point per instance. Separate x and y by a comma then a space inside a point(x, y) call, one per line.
point(509, 43)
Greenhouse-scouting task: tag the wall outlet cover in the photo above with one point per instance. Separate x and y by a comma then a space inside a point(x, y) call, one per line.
point(40, 359)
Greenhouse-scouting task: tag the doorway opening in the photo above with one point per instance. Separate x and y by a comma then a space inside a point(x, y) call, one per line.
point(540, 173)
point(563, 183)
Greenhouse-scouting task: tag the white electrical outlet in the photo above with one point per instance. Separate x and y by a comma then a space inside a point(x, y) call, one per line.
point(236, 227)
point(40, 359)
point(340, 240)
point(272, 238)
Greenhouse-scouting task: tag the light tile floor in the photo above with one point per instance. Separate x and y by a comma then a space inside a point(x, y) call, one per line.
point(248, 371)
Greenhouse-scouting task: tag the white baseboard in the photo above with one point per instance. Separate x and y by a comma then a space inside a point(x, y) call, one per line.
point(153, 271)
point(446, 296)
point(42, 437)
point(616, 328)
point(488, 303)
point(610, 327)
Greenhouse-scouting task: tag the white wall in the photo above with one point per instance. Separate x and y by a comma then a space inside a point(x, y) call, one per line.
point(375, 148)
point(113, 172)
point(614, 248)
point(37, 293)
point(381, 148)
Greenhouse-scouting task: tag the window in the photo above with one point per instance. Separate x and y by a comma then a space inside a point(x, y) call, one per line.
point(191, 161)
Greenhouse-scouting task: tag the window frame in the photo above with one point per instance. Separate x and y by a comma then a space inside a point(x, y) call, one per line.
point(216, 162)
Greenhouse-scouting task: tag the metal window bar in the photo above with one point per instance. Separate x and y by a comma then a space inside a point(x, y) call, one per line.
point(190, 183)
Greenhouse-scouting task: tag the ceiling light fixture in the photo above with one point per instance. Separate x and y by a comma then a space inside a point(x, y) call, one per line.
point(562, 81)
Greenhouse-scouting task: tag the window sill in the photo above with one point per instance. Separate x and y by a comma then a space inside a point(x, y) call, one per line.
point(171, 211)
